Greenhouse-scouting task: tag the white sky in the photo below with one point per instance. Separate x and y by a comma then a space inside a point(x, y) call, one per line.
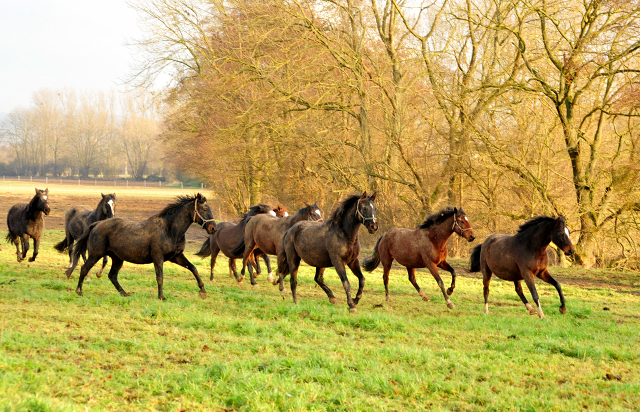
point(62, 43)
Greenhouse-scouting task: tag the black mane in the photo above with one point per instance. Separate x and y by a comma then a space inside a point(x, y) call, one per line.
point(338, 213)
point(439, 217)
point(177, 205)
point(535, 221)
point(256, 210)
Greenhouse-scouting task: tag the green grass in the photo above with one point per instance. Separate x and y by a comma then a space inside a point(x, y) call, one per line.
point(245, 348)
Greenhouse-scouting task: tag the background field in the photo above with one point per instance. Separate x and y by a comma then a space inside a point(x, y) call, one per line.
point(247, 348)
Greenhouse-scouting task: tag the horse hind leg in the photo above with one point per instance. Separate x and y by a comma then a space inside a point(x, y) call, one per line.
point(267, 262)
point(518, 285)
point(84, 270)
point(116, 265)
point(546, 277)
point(17, 241)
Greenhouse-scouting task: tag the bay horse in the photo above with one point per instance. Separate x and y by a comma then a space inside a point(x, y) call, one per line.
point(523, 256)
point(155, 240)
point(27, 221)
point(424, 247)
point(227, 236)
point(79, 218)
point(332, 243)
point(265, 233)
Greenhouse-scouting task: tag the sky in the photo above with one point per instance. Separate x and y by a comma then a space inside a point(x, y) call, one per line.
point(55, 44)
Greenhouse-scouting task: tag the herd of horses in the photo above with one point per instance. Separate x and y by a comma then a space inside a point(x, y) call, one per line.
point(304, 236)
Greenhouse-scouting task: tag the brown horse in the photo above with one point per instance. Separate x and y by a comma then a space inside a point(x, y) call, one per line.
point(424, 247)
point(281, 211)
point(265, 233)
point(27, 221)
point(79, 218)
point(523, 256)
point(227, 236)
point(155, 240)
point(333, 243)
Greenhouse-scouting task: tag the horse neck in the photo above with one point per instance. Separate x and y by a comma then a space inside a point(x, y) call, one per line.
point(537, 237)
point(179, 222)
point(97, 214)
point(440, 233)
point(350, 224)
point(302, 214)
point(32, 212)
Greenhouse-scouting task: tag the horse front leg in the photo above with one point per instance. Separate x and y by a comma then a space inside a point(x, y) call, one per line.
point(25, 246)
point(319, 278)
point(338, 264)
point(250, 265)
point(267, 262)
point(546, 277)
point(434, 272)
point(84, 270)
point(355, 268)
point(158, 263)
point(116, 265)
point(444, 265)
point(36, 246)
point(529, 279)
point(184, 262)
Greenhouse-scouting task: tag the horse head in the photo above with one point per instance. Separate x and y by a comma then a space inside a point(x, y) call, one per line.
point(43, 201)
point(108, 205)
point(462, 225)
point(281, 211)
point(313, 212)
point(560, 237)
point(366, 212)
point(203, 215)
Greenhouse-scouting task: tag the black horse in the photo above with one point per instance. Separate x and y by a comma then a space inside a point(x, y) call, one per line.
point(523, 256)
point(227, 236)
point(79, 218)
point(330, 243)
point(27, 221)
point(156, 240)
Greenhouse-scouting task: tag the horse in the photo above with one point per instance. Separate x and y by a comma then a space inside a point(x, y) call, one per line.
point(332, 243)
point(27, 221)
point(281, 211)
point(523, 256)
point(227, 236)
point(158, 239)
point(265, 233)
point(78, 218)
point(424, 247)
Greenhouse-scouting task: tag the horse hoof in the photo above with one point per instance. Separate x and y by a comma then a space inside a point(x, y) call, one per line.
point(240, 279)
point(563, 310)
point(271, 279)
point(333, 300)
point(425, 298)
point(99, 274)
point(78, 292)
point(388, 299)
point(353, 310)
point(450, 291)
point(31, 259)
point(125, 294)
point(203, 294)
point(450, 305)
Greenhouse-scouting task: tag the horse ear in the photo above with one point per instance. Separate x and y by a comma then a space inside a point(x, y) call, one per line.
point(102, 194)
point(364, 195)
point(306, 204)
point(560, 221)
point(200, 198)
point(373, 196)
point(455, 210)
point(36, 190)
point(46, 191)
point(316, 204)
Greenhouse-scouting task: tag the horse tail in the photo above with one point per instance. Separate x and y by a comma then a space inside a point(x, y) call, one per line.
point(62, 246)
point(80, 247)
point(283, 265)
point(475, 259)
point(205, 250)
point(239, 249)
point(10, 237)
point(370, 263)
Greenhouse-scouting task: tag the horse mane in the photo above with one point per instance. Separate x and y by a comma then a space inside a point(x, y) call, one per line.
point(535, 221)
point(181, 200)
point(439, 217)
point(338, 213)
point(256, 210)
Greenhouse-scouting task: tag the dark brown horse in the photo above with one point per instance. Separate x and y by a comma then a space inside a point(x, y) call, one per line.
point(227, 236)
point(27, 221)
point(79, 218)
point(523, 256)
point(333, 243)
point(265, 233)
point(156, 240)
point(424, 247)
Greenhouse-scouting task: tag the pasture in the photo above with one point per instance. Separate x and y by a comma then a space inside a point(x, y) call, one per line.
point(247, 348)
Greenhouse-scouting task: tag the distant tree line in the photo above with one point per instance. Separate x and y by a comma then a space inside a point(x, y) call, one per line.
point(66, 133)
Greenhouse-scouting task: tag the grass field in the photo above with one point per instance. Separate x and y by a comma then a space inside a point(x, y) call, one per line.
point(247, 348)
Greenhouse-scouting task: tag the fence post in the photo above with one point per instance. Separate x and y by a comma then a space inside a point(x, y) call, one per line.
point(78, 182)
point(95, 182)
point(114, 182)
point(60, 181)
point(159, 183)
point(46, 179)
point(31, 179)
point(181, 185)
point(127, 182)
point(145, 183)
point(18, 178)
point(201, 186)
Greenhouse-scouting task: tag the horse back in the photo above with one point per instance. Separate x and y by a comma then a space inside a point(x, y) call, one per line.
point(77, 220)
point(132, 241)
point(19, 224)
